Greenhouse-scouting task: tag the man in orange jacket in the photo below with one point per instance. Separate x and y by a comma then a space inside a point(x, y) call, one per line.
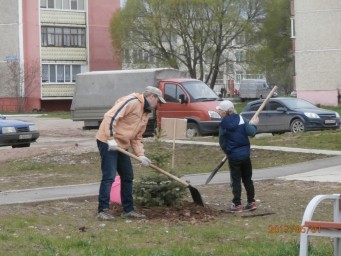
point(123, 125)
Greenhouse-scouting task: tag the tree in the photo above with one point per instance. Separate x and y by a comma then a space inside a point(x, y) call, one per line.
point(195, 34)
point(21, 80)
point(272, 54)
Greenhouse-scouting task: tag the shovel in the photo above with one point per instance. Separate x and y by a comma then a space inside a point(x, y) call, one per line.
point(216, 170)
point(194, 192)
point(254, 116)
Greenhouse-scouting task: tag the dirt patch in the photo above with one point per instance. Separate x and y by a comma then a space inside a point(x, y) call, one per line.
point(186, 211)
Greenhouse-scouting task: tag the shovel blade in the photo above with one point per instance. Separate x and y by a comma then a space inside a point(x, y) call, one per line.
point(196, 196)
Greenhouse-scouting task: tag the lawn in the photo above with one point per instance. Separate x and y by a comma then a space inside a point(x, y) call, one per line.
point(68, 227)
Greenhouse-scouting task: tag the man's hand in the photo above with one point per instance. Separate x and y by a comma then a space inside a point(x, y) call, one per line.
point(144, 161)
point(112, 145)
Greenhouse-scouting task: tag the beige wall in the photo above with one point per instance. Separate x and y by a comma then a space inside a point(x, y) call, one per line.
point(318, 50)
point(9, 45)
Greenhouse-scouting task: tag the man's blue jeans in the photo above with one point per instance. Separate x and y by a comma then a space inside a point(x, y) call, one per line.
point(112, 161)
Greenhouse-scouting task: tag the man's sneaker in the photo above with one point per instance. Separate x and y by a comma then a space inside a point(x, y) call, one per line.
point(250, 206)
point(236, 208)
point(105, 216)
point(133, 215)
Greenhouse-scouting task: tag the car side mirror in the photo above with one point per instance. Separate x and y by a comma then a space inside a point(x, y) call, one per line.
point(182, 98)
point(281, 109)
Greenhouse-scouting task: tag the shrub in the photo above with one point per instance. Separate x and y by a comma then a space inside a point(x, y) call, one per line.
point(157, 189)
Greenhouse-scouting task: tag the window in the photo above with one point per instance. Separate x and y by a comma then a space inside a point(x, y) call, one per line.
point(73, 4)
point(59, 4)
point(43, 4)
point(239, 56)
point(240, 40)
point(60, 73)
point(43, 36)
point(53, 73)
point(292, 23)
point(63, 4)
point(75, 70)
point(239, 76)
point(255, 107)
point(274, 105)
point(58, 37)
point(126, 56)
point(50, 36)
point(66, 4)
point(67, 73)
point(172, 93)
point(45, 73)
point(63, 37)
point(50, 3)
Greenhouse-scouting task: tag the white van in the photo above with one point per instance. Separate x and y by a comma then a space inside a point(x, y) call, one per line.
point(253, 89)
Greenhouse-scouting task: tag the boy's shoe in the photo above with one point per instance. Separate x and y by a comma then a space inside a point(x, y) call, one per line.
point(105, 216)
point(133, 215)
point(236, 208)
point(250, 206)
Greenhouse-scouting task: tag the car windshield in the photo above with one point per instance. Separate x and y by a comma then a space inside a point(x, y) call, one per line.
point(298, 104)
point(199, 91)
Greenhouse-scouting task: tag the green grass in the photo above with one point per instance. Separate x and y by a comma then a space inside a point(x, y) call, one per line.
point(54, 228)
point(58, 114)
point(328, 140)
point(62, 168)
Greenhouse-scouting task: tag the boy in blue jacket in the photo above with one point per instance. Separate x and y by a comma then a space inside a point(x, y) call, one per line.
point(234, 141)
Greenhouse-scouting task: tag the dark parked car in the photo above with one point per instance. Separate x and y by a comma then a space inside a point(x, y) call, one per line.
point(291, 114)
point(17, 134)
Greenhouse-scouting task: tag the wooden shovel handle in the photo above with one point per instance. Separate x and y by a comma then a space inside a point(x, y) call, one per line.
point(154, 167)
point(264, 102)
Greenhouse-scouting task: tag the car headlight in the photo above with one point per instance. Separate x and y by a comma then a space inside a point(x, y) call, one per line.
point(337, 114)
point(213, 114)
point(311, 115)
point(9, 129)
point(33, 128)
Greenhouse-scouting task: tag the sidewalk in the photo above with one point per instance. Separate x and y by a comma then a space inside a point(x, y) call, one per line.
point(322, 170)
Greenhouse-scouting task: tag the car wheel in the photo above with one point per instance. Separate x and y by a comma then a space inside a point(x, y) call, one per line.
point(26, 145)
point(192, 130)
point(297, 126)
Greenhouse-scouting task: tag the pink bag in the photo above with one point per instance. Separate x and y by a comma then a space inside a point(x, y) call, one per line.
point(115, 193)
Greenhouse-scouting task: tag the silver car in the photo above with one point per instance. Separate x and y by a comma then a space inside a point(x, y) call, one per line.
point(291, 114)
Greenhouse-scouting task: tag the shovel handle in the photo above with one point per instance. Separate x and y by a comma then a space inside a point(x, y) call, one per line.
point(154, 167)
point(264, 102)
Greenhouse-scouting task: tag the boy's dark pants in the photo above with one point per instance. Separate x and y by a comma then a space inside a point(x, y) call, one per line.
point(241, 170)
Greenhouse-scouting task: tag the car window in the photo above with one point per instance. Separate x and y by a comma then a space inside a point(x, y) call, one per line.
point(255, 107)
point(298, 103)
point(172, 92)
point(274, 105)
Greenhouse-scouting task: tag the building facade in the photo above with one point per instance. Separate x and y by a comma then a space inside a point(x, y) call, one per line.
point(46, 44)
point(316, 33)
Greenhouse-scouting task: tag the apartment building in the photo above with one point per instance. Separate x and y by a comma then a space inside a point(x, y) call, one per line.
point(316, 33)
point(45, 44)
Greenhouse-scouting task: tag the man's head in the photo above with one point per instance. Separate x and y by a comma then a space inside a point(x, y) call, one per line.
point(226, 107)
point(153, 96)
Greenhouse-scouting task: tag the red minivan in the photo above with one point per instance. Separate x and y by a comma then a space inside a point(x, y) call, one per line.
point(193, 100)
